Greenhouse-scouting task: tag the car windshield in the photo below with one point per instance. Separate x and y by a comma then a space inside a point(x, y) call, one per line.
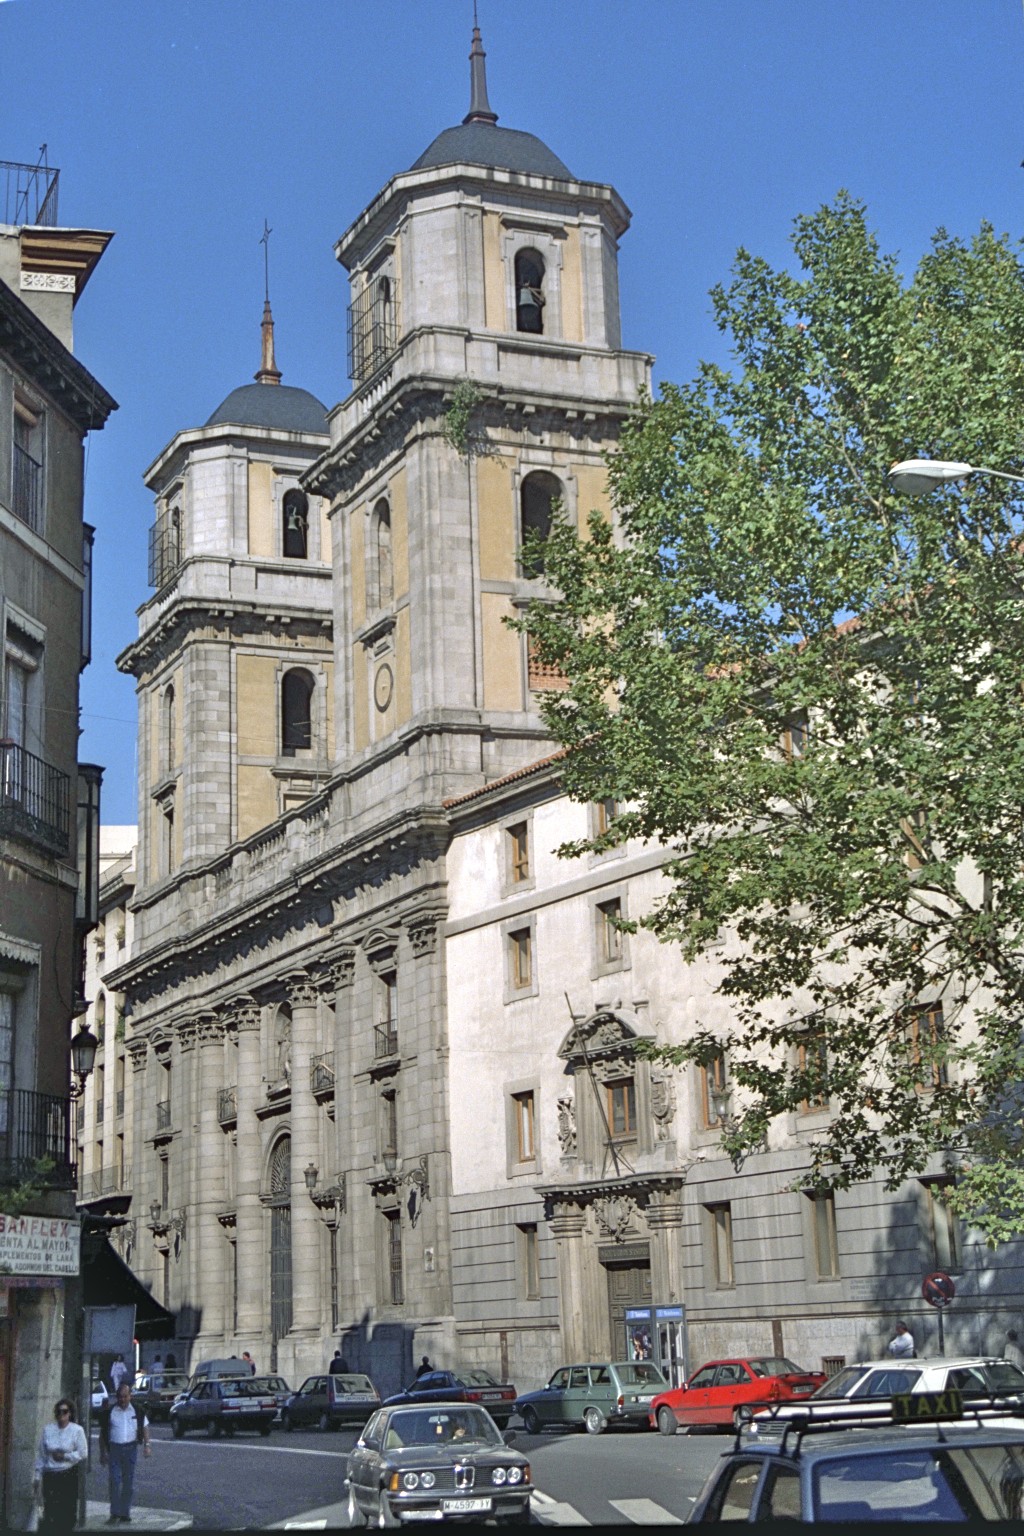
point(939, 1482)
point(176, 1381)
point(842, 1383)
point(354, 1384)
point(775, 1365)
point(248, 1388)
point(271, 1384)
point(477, 1379)
point(455, 1426)
point(640, 1375)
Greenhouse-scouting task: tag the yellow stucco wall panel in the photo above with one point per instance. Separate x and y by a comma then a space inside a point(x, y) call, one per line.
point(359, 698)
point(261, 508)
point(572, 288)
point(257, 799)
point(256, 681)
point(494, 275)
point(502, 650)
point(496, 520)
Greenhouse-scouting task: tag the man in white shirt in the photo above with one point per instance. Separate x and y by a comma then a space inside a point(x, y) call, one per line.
point(122, 1428)
point(118, 1372)
point(901, 1345)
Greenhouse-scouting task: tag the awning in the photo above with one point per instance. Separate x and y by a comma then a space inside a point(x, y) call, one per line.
point(108, 1281)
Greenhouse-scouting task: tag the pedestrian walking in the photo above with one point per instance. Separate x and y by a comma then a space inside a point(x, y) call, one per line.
point(252, 1363)
point(157, 1365)
point(339, 1365)
point(901, 1345)
point(123, 1428)
point(62, 1449)
point(424, 1368)
point(118, 1372)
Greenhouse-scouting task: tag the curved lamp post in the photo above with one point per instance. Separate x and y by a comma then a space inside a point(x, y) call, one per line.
point(916, 477)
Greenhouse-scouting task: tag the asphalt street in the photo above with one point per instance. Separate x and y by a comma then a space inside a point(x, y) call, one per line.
point(245, 1481)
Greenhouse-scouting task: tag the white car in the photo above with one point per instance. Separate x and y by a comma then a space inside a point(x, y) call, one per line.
point(100, 1396)
point(875, 1382)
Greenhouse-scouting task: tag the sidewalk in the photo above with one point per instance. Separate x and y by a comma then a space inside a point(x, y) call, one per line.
point(97, 1511)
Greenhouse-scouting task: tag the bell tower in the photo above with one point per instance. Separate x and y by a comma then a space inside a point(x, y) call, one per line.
point(488, 380)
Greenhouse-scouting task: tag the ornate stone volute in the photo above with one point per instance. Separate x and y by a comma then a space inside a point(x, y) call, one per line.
point(209, 1028)
point(301, 989)
point(187, 1034)
point(663, 1104)
point(423, 935)
point(246, 1014)
point(138, 1055)
point(567, 1125)
point(339, 971)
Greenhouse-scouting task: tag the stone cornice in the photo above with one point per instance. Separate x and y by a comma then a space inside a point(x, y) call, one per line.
point(226, 619)
point(46, 361)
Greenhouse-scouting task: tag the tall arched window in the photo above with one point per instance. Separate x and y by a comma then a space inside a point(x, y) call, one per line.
point(385, 563)
point(537, 495)
point(279, 1180)
point(296, 712)
point(168, 730)
point(529, 273)
point(295, 533)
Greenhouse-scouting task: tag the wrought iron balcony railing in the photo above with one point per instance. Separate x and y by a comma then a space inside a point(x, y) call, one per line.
point(227, 1105)
point(35, 1127)
point(28, 489)
point(385, 1040)
point(372, 329)
point(164, 552)
point(163, 1115)
point(115, 1180)
point(35, 798)
point(321, 1073)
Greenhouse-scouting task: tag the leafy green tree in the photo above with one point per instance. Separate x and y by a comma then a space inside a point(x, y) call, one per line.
point(808, 688)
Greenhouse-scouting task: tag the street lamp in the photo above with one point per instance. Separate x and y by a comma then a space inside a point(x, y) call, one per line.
point(916, 477)
point(83, 1056)
point(311, 1173)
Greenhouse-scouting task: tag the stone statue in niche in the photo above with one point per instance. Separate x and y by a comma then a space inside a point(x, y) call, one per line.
point(567, 1126)
point(284, 1048)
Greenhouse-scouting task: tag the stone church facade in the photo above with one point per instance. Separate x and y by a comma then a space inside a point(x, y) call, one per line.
point(381, 1040)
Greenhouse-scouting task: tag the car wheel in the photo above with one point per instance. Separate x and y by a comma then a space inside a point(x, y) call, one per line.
point(212, 1428)
point(531, 1423)
point(177, 1428)
point(594, 1421)
point(356, 1518)
point(667, 1423)
point(286, 1422)
point(324, 1421)
point(266, 1428)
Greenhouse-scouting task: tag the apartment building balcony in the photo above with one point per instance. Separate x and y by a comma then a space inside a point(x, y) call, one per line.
point(27, 498)
point(106, 1191)
point(385, 1040)
point(162, 1123)
point(35, 798)
point(321, 1076)
point(35, 1128)
point(227, 1105)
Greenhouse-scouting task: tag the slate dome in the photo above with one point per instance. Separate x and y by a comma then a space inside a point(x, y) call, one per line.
point(278, 406)
point(506, 149)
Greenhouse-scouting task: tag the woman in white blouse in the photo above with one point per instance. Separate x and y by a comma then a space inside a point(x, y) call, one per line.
point(62, 1447)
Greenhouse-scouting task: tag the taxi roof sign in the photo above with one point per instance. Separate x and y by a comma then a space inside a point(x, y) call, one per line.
point(927, 1407)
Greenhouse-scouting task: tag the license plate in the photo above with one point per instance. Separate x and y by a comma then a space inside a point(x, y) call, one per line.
point(647, 1397)
point(491, 1397)
point(465, 1506)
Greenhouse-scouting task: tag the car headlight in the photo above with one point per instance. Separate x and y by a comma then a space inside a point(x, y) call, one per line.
point(515, 1474)
point(498, 1475)
point(427, 1479)
point(411, 1480)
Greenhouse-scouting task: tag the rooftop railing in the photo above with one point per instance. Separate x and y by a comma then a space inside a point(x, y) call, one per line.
point(30, 193)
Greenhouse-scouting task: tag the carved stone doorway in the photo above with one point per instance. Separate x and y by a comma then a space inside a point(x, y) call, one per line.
point(629, 1285)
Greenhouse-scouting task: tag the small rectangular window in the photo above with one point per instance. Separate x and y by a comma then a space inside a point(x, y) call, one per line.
point(720, 1228)
point(389, 1123)
point(826, 1244)
point(386, 1033)
point(609, 934)
point(926, 1040)
point(620, 1098)
point(605, 812)
point(523, 1108)
point(518, 845)
point(393, 1235)
point(795, 736)
point(812, 1064)
point(712, 1081)
point(528, 1261)
point(521, 957)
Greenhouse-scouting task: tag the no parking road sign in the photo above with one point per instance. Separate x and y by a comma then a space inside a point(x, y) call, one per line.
point(938, 1289)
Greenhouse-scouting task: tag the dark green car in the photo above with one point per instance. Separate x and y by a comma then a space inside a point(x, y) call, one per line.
point(594, 1395)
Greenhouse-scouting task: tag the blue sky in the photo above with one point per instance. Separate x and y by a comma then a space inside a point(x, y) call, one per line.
point(182, 125)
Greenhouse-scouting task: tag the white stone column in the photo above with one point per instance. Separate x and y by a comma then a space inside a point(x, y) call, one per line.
point(567, 1230)
point(305, 1148)
point(253, 1267)
point(211, 1248)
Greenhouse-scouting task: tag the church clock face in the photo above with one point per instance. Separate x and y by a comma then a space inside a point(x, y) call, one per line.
point(383, 687)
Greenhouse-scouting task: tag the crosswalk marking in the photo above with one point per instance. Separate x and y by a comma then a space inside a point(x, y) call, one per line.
point(644, 1512)
point(550, 1511)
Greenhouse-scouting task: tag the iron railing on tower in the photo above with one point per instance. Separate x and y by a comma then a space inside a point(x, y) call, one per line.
point(372, 328)
point(30, 192)
point(164, 551)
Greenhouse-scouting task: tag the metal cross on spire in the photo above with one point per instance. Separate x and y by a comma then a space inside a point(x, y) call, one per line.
point(479, 106)
point(265, 242)
point(269, 372)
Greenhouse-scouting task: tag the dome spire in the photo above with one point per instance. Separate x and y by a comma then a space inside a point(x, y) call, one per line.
point(479, 106)
point(269, 373)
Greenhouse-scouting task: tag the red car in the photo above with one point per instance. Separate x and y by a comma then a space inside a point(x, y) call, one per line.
point(713, 1393)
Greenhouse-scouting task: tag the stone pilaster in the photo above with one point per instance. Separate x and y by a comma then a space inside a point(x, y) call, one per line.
point(143, 1190)
point(212, 1255)
point(665, 1223)
point(305, 1147)
point(253, 1267)
point(186, 1173)
point(567, 1226)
